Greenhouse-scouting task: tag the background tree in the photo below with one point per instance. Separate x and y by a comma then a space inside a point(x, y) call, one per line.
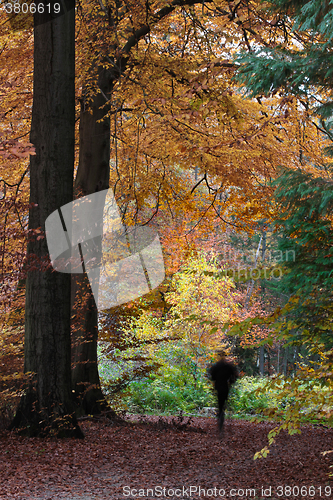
point(306, 222)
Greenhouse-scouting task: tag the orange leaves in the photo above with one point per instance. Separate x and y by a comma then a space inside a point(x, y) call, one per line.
point(185, 119)
point(152, 454)
point(16, 62)
point(13, 148)
point(11, 366)
point(179, 109)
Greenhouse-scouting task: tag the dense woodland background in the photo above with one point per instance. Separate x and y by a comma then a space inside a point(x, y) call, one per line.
point(212, 123)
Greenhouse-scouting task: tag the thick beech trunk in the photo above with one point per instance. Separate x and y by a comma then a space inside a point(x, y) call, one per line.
point(92, 175)
point(47, 407)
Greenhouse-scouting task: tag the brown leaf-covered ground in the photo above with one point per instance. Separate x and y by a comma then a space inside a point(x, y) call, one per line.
point(119, 461)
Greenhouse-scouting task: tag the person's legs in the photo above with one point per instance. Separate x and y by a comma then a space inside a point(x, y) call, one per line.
point(223, 374)
point(222, 395)
point(221, 419)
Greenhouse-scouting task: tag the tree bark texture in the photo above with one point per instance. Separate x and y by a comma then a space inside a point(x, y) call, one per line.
point(93, 175)
point(47, 406)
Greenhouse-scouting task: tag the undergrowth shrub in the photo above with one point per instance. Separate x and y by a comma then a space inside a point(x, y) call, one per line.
point(11, 372)
point(179, 386)
point(154, 395)
point(176, 382)
point(243, 399)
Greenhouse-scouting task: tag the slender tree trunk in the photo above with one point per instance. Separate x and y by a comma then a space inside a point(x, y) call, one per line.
point(92, 175)
point(261, 360)
point(285, 361)
point(295, 358)
point(263, 289)
point(47, 407)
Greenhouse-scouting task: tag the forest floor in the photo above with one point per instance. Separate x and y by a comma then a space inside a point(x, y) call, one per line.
point(156, 457)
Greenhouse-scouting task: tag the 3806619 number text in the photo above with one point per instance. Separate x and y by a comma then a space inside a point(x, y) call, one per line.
point(31, 8)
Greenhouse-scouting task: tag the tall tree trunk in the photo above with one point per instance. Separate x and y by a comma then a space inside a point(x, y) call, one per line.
point(47, 408)
point(92, 175)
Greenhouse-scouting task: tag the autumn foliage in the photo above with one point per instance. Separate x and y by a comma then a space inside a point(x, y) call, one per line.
point(228, 168)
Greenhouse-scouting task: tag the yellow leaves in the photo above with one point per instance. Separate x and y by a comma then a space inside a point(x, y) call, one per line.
point(16, 63)
point(146, 328)
point(262, 453)
point(307, 394)
point(207, 129)
point(187, 111)
point(14, 376)
point(200, 299)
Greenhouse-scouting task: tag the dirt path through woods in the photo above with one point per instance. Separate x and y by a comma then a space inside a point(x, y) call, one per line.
point(158, 460)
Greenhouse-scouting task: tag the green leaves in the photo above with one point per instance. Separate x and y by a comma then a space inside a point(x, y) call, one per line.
point(262, 453)
point(299, 68)
point(306, 207)
point(266, 70)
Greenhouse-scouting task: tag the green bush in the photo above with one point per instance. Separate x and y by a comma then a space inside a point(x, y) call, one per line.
point(176, 381)
point(243, 399)
point(166, 395)
point(178, 384)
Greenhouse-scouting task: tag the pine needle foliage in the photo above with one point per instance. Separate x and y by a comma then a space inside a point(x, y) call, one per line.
point(306, 207)
point(302, 63)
